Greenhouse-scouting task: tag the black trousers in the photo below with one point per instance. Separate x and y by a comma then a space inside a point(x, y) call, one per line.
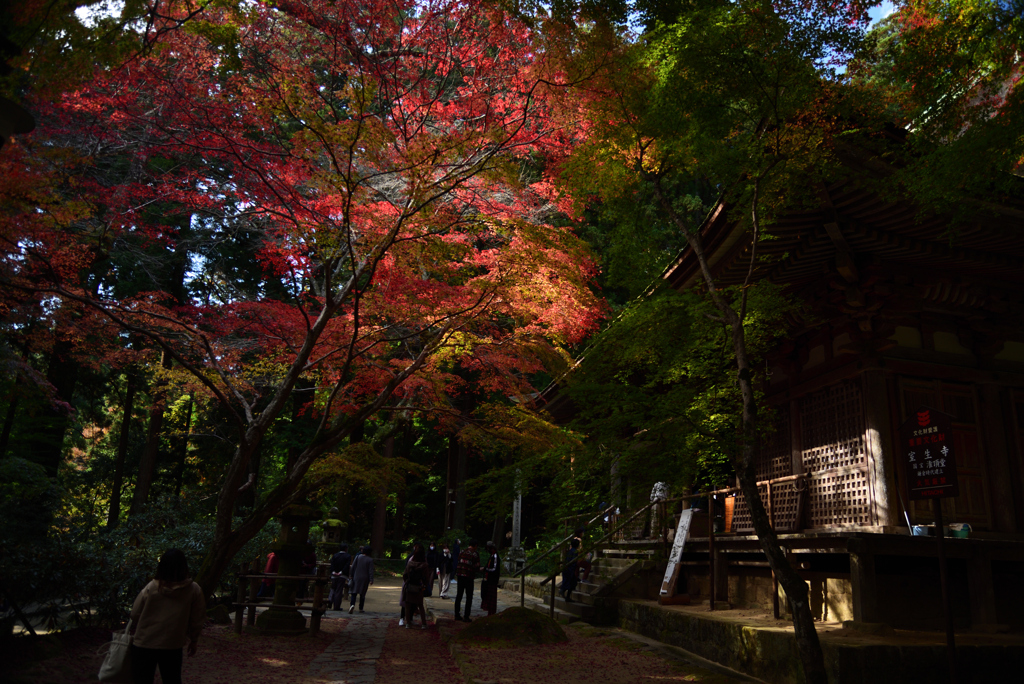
point(352, 597)
point(465, 586)
point(146, 660)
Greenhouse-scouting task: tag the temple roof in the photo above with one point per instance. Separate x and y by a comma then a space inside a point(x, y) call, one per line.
point(849, 224)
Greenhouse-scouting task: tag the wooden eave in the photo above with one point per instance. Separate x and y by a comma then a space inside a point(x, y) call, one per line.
point(801, 247)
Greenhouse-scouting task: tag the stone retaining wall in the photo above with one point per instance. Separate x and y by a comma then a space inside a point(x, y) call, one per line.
point(771, 654)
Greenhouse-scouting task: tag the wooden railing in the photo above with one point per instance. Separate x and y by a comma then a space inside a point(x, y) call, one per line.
point(662, 504)
point(250, 583)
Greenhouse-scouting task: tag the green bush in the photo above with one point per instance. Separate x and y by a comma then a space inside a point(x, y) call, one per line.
point(72, 573)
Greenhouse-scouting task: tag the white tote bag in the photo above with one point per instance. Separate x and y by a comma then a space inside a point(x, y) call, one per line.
point(117, 665)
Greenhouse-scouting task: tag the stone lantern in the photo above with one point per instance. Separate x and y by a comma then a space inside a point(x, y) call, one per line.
point(292, 546)
point(333, 534)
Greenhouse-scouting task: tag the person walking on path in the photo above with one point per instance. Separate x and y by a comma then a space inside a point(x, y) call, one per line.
point(569, 573)
point(465, 573)
point(168, 613)
point(489, 583)
point(417, 574)
point(340, 563)
point(433, 556)
point(360, 578)
point(445, 570)
point(402, 616)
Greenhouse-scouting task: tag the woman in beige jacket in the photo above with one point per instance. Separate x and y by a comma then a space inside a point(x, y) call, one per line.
point(168, 613)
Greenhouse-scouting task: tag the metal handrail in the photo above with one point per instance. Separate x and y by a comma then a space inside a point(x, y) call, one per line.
point(522, 573)
point(559, 544)
point(522, 582)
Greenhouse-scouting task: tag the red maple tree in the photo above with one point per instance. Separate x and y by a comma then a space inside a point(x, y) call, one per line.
point(388, 155)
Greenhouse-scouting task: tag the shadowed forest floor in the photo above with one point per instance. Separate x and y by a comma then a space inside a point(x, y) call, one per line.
point(409, 656)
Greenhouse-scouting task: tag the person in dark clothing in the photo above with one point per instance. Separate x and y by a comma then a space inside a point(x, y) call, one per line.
point(361, 577)
point(489, 583)
point(414, 585)
point(569, 573)
point(465, 573)
point(433, 560)
point(340, 563)
point(416, 548)
point(445, 570)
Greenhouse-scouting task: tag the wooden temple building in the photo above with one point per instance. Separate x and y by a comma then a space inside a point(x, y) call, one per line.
point(900, 312)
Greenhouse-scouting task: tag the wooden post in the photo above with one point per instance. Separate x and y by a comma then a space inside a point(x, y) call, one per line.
point(318, 600)
point(254, 585)
point(551, 613)
point(944, 586)
point(240, 610)
point(522, 587)
point(775, 580)
point(711, 551)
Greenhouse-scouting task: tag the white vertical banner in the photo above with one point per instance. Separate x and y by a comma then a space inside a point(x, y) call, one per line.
point(668, 587)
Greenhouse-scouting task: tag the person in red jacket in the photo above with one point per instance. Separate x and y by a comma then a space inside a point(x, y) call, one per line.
point(168, 613)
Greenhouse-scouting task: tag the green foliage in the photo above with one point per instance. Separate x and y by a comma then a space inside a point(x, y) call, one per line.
point(94, 575)
point(656, 392)
point(947, 72)
point(27, 500)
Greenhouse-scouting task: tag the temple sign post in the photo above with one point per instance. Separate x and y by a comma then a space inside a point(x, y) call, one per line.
point(926, 443)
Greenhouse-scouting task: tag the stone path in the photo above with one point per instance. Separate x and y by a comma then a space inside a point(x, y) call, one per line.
point(352, 658)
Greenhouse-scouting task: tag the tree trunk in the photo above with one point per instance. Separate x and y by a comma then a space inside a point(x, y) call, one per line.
point(114, 514)
point(179, 474)
point(46, 445)
point(151, 453)
point(460, 488)
point(451, 483)
point(12, 410)
point(380, 513)
point(399, 531)
point(811, 656)
point(498, 533)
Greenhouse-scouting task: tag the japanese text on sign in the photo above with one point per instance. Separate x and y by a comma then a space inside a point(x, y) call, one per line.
point(926, 443)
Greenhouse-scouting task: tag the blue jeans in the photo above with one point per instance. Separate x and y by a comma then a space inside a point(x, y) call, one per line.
point(465, 587)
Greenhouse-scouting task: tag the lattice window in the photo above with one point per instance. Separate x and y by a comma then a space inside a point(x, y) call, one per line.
point(839, 497)
point(776, 459)
point(835, 457)
point(784, 506)
point(832, 423)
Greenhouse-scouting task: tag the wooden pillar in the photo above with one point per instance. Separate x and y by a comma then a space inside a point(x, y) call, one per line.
point(997, 450)
point(721, 576)
point(862, 582)
point(796, 438)
point(243, 584)
point(878, 444)
point(982, 589)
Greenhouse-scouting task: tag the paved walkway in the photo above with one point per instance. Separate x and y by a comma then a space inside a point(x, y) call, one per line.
point(352, 657)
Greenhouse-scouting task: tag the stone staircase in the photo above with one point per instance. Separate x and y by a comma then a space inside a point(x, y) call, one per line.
point(622, 569)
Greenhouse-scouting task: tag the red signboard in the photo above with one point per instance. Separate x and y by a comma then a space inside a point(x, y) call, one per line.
point(926, 448)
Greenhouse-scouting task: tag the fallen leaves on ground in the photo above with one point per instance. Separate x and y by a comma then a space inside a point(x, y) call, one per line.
point(415, 656)
point(223, 658)
point(589, 657)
